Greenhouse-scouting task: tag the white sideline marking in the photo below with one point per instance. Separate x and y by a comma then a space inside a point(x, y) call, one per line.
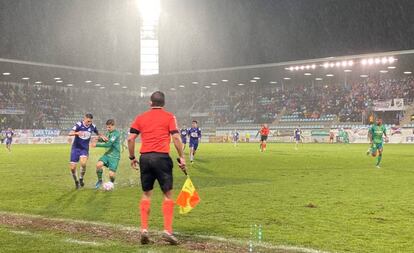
point(17, 232)
point(262, 244)
point(69, 240)
point(83, 242)
point(210, 237)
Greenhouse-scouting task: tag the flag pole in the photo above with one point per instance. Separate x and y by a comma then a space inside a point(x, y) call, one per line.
point(185, 170)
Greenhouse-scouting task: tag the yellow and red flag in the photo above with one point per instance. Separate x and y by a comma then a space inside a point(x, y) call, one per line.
point(188, 197)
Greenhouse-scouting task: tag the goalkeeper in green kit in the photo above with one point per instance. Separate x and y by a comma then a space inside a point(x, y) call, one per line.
point(376, 133)
point(112, 155)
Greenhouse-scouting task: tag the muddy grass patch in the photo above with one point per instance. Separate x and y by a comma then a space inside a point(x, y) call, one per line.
point(96, 231)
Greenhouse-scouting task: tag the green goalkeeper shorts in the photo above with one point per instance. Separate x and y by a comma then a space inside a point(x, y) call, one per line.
point(110, 162)
point(376, 146)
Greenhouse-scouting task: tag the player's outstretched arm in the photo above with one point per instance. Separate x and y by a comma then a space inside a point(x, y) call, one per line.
point(106, 144)
point(73, 133)
point(103, 137)
point(385, 135)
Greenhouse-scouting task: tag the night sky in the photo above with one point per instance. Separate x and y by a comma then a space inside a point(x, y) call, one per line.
point(200, 34)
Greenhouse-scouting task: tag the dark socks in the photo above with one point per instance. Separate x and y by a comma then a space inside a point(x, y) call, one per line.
point(379, 159)
point(74, 175)
point(83, 171)
point(99, 174)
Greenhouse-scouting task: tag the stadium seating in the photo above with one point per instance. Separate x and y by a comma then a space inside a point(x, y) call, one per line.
point(319, 105)
point(57, 107)
point(302, 104)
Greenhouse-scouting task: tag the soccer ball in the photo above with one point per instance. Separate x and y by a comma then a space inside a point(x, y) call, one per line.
point(108, 186)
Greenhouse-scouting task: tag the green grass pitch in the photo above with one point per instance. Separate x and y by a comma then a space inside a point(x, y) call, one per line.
point(322, 196)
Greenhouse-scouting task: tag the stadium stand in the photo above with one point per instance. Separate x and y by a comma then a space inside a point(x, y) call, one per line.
point(302, 104)
point(41, 106)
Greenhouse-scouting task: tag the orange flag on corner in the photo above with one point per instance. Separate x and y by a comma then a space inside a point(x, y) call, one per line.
point(188, 197)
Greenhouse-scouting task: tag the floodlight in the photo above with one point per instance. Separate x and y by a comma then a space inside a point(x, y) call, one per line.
point(149, 9)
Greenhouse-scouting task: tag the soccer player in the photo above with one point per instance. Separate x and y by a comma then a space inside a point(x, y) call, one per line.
point(111, 157)
point(80, 147)
point(331, 136)
point(184, 134)
point(236, 136)
point(369, 135)
point(195, 137)
point(264, 133)
point(346, 137)
point(247, 137)
point(376, 133)
point(156, 127)
point(9, 138)
point(297, 135)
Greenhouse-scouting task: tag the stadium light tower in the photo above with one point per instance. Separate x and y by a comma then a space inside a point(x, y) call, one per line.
point(149, 9)
point(149, 13)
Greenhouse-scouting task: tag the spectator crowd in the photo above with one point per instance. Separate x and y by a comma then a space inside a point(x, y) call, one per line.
point(39, 106)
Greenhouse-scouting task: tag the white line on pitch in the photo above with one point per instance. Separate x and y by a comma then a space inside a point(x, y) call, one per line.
point(69, 240)
point(210, 237)
point(83, 242)
point(22, 232)
point(262, 244)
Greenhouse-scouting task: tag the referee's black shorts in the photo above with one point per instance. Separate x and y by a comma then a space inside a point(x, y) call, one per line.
point(156, 166)
point(263, 138)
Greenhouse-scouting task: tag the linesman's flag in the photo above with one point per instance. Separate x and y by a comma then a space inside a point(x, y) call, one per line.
point(188, 197)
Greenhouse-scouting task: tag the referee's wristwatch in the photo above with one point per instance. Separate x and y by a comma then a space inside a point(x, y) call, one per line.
point(132, 157)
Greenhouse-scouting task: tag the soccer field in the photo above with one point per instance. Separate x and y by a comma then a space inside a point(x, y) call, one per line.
point(324, 197)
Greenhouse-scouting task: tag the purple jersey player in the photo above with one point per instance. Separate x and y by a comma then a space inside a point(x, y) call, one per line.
point(297, 135)
point(184, 134)
point(80, 147)
point(236, 136)
point(195, 136)
point(9, 138)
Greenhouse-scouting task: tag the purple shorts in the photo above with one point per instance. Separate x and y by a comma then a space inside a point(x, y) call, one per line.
point(193, 144)
point(77, 153)
point(8, 141)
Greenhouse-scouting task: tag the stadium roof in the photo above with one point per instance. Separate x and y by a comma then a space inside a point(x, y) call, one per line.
point(330, 69)
point(18, 71)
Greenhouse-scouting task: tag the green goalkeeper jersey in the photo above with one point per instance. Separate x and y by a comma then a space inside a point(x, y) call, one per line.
point(112, 145)
point(377, 133)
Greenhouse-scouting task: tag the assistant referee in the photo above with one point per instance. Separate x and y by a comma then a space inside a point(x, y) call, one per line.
point(156, 127)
